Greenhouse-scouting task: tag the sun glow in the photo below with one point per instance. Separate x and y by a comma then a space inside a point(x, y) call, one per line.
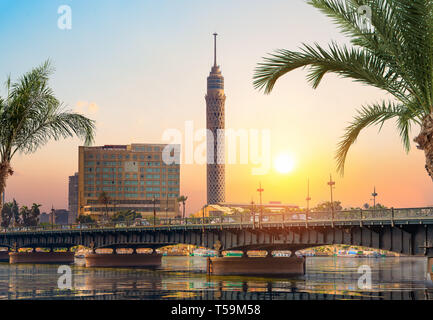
point(284, 163)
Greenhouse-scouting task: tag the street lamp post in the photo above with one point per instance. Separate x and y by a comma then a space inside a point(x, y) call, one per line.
point(260, 190)
point(166, 208)
point(203, 213)
point(253, 214)
point(308, 201)
point(154, 211)
point(331, 185)
point(52, 217)
point(374, 194)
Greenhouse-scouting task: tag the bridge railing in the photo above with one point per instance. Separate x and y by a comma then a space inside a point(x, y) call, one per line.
point(413, 213)
point(247, 219)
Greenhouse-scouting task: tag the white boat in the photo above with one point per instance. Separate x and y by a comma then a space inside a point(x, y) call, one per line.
point(204, 253)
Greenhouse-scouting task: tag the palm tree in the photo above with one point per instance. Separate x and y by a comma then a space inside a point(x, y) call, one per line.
point(34, 214)
point(105, 199)
point(25, 216)
point(6, 214)
point(15, 213)
point(392, 51)
point(83, 219)
point(182, 199)
point(30, 116)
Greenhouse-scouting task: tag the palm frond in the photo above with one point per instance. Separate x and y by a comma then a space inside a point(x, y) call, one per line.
point(354, 63)
point(399, 32)
point(32, 115)
point(53, 124)
point(375, 114)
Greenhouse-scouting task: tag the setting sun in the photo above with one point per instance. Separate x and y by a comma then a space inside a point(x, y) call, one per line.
point(284, 163)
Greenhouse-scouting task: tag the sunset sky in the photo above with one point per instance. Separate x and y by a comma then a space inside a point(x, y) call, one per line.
point(139, 68)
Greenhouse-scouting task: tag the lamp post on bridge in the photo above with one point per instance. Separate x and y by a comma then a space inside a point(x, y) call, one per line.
point(253, 214)
point(260, 190)
point(374, 194)
point(308, 200)
point(154, 210)
point(166, 208)
point(331, 185)
point(202, 223)
point(204, 212)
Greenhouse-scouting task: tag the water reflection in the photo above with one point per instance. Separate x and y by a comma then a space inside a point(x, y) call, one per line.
point(185, 278)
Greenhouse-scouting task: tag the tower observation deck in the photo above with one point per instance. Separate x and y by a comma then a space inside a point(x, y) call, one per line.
point(215, 123)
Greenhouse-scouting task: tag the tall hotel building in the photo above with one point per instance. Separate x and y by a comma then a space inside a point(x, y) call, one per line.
point(73, 198)
point(215, 123)
point(134, 177)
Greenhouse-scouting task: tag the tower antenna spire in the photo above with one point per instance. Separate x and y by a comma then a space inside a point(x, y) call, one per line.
point(214, 48)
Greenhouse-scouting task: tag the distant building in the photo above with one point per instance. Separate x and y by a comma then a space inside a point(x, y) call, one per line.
point(60, 217)
point(73, 198)
point(134, 177)
point(44, 217)
point(224, 209)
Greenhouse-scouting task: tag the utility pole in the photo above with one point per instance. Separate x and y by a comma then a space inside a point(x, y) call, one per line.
point(154, 211)
point(166, 207)
point(331, 186)
point(260, 190)
point(52, 216)
point(374, 194)
point(202, 222)
point(308, 199)
point(253, 214)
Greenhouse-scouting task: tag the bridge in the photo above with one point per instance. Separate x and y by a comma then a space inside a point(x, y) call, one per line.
point(406, 231)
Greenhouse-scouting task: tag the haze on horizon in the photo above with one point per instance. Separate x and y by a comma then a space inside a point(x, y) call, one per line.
point(140, 67)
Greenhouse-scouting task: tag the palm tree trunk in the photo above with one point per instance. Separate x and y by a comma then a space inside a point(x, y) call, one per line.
point(425, 142)
point(5, 171)
point(183, 212)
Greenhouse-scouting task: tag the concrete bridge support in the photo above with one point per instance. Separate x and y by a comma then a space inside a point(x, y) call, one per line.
point(4, 256)
point(256, 265)
point(123, 260)
point(41, 257)
point(430, 267)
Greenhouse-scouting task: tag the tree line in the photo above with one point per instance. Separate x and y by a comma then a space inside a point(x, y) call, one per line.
point(14, 216)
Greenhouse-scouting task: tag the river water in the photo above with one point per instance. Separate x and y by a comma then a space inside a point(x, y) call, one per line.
point(185, 278)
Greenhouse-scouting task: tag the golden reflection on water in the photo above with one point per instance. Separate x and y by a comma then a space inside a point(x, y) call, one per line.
point(185, 278)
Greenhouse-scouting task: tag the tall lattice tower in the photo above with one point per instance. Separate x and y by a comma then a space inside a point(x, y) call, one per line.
point(215, 100)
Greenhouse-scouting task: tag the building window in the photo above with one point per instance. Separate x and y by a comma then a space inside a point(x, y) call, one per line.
point(131, 195)
point(131, 183)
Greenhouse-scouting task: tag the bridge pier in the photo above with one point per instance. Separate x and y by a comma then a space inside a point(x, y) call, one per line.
point(430, 267)
point(123, 260)
point(41, 257)
point(245, 265)
point(4, 256)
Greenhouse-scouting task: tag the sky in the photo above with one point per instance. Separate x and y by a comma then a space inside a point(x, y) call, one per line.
point(139, 68)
